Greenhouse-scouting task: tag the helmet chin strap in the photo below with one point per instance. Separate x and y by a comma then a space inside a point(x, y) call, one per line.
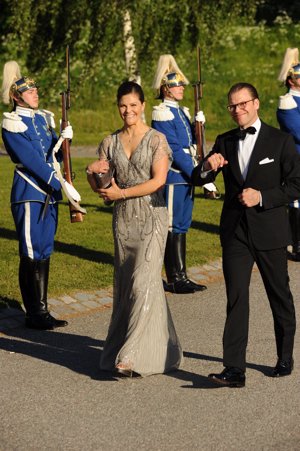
point(17, 98)
point(169, 93)
point(26, 105)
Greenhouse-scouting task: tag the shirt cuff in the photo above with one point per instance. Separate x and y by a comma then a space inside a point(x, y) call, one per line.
point(203, 174)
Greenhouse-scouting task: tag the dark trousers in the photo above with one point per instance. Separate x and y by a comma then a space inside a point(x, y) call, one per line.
point(238, 260)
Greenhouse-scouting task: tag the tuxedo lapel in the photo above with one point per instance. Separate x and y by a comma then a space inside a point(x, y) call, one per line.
point(232, 147)
point(258, 151)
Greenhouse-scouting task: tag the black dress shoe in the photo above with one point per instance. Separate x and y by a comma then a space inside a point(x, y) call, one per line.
point(197, 286)
point(283, 368)
point(180, 287)
point(44, 321)
point(297, 257)
point(183, 286)
point(230, 376)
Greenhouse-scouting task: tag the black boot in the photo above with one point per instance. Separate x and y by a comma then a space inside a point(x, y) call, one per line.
point(294, 217)
point(175, 266)
point(26, 268)
point(33, 277)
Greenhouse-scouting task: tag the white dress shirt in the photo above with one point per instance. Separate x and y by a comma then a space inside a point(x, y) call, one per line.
point(246, 147)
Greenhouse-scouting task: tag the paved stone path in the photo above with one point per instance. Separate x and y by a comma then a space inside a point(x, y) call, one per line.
point(81, 303)
point(55, 398)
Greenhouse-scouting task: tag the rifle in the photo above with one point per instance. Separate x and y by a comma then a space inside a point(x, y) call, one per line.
point(76, 212)
point(198, 93)
point(199, 126)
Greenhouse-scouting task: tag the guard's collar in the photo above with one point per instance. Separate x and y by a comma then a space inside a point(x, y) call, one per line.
point(294, 93)
point(26, 112)
point(171, 103)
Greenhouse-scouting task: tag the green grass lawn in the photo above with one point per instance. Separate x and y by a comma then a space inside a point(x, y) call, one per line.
point(84, 256)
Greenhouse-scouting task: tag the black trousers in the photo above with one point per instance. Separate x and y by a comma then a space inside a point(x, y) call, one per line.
point(239, 256)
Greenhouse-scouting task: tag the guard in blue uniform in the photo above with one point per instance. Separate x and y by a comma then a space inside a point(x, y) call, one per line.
point(288, 116)
point(174, 122)
point(29, 140)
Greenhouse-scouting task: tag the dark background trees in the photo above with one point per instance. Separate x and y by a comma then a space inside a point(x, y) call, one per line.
point(239, 41)
point(36, 32)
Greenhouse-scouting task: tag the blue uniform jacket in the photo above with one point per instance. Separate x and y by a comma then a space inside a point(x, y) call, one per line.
point(171, 120)
point(29, 139)
point(288, 116)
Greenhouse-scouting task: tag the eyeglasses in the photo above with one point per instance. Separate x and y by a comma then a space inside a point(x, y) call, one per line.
point(241, 106)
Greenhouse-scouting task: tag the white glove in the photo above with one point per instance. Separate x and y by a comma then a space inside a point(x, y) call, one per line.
point(72, 191)
point(200, 117)
point(67, 133)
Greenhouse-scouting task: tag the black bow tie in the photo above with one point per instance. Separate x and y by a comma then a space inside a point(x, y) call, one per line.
point(241, 133)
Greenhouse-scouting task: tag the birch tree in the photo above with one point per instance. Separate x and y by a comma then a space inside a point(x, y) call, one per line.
point(120, 38)
point(131, 62)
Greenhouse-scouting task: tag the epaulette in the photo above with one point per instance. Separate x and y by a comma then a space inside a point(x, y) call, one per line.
point(186, 111)
point(162, 113)
point(287, 102)
point(12, 122)
point(49, 116)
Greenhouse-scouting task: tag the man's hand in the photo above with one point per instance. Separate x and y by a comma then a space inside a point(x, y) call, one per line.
point(249, 197)
point(214, 162)
point(67, 133)
point(200, 117)
point(72, 191)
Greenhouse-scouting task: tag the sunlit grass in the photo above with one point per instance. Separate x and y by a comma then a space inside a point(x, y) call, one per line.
point(84, 255)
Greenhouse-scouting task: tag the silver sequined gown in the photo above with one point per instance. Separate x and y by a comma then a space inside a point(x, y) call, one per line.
point(141, 332)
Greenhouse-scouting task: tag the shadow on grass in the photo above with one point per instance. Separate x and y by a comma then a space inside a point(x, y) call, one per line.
point(205, 227)
point(8, 234)
point(69, 249)
point(99, 206)
point(83, 252)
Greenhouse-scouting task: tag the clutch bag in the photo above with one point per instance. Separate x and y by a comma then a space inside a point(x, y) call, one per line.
point(103, 179)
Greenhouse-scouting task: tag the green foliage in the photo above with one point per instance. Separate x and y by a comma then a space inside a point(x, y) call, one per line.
point(236, 53)
point(36, 32)
point(245, 53)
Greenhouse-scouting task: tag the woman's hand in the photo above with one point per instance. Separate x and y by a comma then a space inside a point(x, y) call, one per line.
point(112, 193)
point(98, 166)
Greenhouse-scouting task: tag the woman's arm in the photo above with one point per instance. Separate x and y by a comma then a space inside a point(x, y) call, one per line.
point(159, 175)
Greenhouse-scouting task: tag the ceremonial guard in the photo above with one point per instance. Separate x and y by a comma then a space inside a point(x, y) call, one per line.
point(288, 116)
point(29, 139)
point(174, 122)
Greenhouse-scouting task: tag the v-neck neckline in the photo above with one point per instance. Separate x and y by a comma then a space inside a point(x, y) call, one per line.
point(142, 139)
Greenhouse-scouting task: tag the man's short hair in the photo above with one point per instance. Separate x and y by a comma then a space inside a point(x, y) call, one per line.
point(239, 86)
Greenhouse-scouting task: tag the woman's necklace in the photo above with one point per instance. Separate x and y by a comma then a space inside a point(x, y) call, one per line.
point(134, 137)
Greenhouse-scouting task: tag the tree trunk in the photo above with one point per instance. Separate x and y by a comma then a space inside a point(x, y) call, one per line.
point(130, 50)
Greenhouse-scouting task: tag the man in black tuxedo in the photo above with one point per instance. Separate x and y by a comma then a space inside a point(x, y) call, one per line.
point(261, 170)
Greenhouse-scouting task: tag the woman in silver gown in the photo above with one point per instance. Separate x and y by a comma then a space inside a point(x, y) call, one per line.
point(141, 337)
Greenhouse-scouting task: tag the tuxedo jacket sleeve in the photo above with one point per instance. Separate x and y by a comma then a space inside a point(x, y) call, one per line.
point(274, 170)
